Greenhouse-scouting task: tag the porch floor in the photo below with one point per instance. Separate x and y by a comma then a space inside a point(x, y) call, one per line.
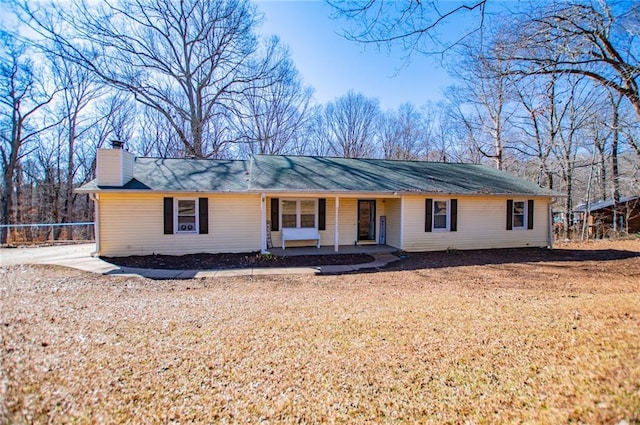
point(328, 250)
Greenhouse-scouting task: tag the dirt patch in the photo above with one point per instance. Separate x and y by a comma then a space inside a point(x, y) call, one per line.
point(228, 261)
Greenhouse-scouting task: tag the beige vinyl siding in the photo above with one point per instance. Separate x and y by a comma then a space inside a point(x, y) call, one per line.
point(128, 160)
point(392, 211)
point(348, 221)
point(481, 225)
point(114, 167)
point(132, 224)
point(109, 167)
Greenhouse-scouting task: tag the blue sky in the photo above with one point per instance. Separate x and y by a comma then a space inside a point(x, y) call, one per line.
point(333, 65)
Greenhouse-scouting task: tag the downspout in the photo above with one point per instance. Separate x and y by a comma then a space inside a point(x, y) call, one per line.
point(96, 224)
point(550, 235)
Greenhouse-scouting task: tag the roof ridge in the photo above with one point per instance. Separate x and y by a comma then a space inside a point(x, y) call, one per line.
point(420, 161)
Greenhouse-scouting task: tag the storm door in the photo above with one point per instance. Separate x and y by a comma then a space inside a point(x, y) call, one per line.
point(366, 220)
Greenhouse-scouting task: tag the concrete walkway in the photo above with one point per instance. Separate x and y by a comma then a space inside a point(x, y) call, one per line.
point(79, 257)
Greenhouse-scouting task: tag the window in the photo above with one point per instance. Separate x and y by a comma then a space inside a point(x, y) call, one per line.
point(299, 213)
point(308, 213)
point(519, 214)
point(186, 216)
point(289, 213)
point(440, 215)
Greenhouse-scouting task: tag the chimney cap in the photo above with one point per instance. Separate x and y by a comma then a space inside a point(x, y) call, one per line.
point(117, 144)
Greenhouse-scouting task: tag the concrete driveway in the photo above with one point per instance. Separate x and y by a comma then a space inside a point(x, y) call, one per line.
point(45, 255)
point(79, 257)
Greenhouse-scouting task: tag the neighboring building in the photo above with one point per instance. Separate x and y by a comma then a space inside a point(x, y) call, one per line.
point(600, 217)
point(180, 206)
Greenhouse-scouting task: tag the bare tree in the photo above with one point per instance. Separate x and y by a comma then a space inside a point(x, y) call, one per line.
point(486, 100)
point(538, 123)
point(272, 112)
point(347, 127)
point(22, 96)
point(417, 25)
point(79, 90)
point(574, 116)
point(187, 60)
point(405, 133)
point(595, 39)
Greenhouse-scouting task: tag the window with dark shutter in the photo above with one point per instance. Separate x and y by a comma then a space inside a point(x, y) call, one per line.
point(530, 214)
point(203, 213)
point(454, 216)
point(509, 214)
point(322, 214)
point(428, 215)
point(275, 214)
point(168, 216)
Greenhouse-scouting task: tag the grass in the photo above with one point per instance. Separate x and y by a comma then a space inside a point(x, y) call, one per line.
point(545, 342)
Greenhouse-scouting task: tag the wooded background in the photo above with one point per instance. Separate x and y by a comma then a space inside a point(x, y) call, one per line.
point(547, 91)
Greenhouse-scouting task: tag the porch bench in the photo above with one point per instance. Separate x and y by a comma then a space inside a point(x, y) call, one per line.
point(300, 234)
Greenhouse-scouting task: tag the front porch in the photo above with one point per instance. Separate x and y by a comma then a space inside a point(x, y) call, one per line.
point(329, 250)
point(350, 224)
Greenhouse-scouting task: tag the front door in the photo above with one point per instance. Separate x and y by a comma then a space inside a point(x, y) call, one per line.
point(366, 220)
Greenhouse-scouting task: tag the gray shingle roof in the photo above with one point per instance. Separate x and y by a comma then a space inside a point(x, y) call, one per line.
point(321, 174)
point(608, 203)
point(184, 175)
point(303, 173)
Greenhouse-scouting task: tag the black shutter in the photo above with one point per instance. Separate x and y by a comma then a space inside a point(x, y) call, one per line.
point(509, 214)
point(275, 214)
point(530, 214)
point(322, 214)
point(203, 213)
point(428, 216)
point(168, 216)
point(454, 215)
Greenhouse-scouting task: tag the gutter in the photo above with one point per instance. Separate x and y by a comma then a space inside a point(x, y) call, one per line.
point(398, 193)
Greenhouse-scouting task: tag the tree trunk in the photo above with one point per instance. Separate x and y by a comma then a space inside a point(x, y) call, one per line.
point(614, 160)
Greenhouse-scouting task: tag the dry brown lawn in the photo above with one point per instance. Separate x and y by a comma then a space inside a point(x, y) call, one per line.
point(541, 342)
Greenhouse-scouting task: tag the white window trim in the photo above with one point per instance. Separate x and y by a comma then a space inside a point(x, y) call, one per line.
point(433, 216)
point(299, 211)
point(196, 229)
point(524, 215)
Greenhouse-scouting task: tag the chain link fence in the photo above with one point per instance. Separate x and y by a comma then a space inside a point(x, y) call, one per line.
point(39, 233)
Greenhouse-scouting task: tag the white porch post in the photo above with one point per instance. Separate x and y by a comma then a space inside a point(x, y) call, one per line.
point(336, 233)
point(263, 223)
